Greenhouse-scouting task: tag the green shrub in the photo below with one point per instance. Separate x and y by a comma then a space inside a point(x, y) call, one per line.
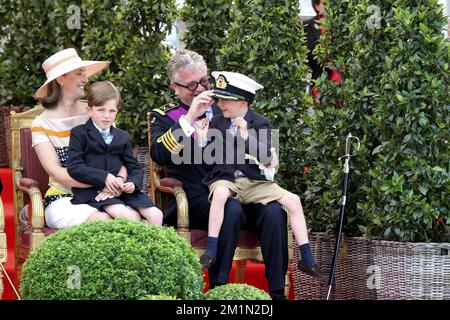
point(159, 297)
point(266, 42)
point(207, 22)
point(117, 259)
point(236, 291)
point(394, 96)
point(130, 35)
point(31, 31)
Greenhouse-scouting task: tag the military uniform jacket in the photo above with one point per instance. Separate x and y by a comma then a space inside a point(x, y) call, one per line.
point(168, 142)
point(91, 159)
point(258, 145)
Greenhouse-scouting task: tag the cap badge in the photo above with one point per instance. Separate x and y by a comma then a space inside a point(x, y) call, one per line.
point(221, 82)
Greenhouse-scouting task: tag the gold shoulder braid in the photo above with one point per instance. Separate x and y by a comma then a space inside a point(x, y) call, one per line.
point(167, 107)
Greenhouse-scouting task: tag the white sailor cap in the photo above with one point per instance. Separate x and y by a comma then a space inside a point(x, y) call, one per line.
point(234, 86)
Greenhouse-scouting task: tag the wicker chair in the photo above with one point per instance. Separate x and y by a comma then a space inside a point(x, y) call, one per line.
point(161, 185)
point(31, 180)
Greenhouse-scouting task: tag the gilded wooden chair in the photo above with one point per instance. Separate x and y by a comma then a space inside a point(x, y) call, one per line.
point(30, 182)
point(3, 246)
point(248, 246)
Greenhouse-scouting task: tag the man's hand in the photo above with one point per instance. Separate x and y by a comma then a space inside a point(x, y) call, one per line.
point(114, 184)
point(129, 187)
point(242, 125)
point(199, 105)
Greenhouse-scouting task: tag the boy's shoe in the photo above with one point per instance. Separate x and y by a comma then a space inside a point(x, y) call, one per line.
point(207, 261)
point(313, 271)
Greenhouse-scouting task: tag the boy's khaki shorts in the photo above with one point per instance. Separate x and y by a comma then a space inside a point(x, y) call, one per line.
point(251, 191)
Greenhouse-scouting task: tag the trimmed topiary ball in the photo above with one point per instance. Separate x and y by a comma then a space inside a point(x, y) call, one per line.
point(156, 297)
point(117, 259)
point(236, 291)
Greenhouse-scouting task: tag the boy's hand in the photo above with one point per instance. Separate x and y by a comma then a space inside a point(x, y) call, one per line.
point(201, 128)
point(242, 125)
point(114, 184)
point(128, 187)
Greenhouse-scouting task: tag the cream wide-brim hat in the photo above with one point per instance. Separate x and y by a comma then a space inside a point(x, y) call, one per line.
point(63, 62)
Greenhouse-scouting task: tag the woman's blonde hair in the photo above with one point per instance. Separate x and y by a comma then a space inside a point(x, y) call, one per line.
point(102, 91)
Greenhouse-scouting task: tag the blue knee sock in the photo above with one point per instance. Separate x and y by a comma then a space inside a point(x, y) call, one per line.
point(306, 254)
point(211, 247)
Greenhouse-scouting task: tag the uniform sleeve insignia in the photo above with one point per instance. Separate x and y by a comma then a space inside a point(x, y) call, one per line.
point(167, 107)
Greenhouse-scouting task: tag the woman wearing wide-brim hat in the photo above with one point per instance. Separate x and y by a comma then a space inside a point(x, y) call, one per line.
point(60, 95)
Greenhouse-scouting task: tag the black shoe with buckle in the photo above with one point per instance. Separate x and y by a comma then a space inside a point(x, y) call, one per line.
point(207, 261)
point(313, 271)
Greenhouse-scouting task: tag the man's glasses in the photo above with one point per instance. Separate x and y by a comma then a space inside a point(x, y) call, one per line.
point(192, 86)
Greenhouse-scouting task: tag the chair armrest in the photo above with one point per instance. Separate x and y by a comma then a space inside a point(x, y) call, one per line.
point(171, 183)
point(175, 187)
point(29, 187)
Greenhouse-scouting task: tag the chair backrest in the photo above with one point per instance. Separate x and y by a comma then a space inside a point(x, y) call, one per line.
point(31, 165)
point(23, 157)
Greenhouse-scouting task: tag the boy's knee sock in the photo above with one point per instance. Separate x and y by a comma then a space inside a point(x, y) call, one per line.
point(306, 254)
point(211, 247)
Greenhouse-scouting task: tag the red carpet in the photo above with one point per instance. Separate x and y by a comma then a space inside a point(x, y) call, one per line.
point(8, 205)
point(254, 275)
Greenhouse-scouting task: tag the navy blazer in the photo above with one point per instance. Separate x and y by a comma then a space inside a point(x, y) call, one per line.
point(258, 145)
point(91, 159)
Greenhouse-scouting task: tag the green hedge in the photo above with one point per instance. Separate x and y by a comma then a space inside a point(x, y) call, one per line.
point(117, 259)
point(395, 97)
point(236, 291)
point(266, 42)
point(207, 23)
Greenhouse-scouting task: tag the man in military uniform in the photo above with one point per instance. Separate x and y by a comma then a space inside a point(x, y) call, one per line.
point(172, 133)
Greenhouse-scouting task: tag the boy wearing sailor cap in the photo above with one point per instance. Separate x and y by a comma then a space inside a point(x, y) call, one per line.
point(244, 180)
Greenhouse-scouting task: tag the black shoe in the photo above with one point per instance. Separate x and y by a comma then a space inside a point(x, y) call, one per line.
point(313, 271)
point(277, 296)
point(207, 261)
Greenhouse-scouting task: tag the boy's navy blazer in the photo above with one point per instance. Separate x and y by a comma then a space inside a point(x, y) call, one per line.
point(91, 159)
point(258, 144)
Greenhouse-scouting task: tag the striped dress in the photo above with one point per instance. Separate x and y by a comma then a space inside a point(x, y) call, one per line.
point(57, 132)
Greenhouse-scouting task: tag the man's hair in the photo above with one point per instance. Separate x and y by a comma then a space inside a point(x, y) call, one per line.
point(102, 91)
point(183, 58)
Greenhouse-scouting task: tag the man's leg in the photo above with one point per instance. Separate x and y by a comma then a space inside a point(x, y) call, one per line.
point(271, 223)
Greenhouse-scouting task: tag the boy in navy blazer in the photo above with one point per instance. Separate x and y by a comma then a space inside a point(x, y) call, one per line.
point(97, 151)
point(242, 138)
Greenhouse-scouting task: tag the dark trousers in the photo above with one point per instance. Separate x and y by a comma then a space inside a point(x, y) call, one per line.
point(271, 224)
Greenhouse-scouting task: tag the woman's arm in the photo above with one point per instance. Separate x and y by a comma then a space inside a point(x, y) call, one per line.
point(50, 162)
